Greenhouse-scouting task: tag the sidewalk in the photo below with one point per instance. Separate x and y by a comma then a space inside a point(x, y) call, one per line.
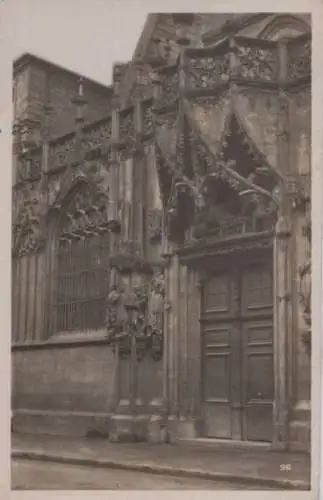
point(248, 466)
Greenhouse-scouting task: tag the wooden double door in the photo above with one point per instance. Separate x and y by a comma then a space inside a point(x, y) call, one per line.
point(237, 347)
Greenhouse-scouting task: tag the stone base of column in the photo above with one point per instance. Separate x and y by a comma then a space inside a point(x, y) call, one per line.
point(128, 428)
point(138, 428)
point(300, 428)
point(183, 428)
point(157, 431)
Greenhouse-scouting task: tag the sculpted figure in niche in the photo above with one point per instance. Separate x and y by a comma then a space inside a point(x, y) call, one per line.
point(157, 301)
point(156, 316)
point(140, 299)
point(113, 321)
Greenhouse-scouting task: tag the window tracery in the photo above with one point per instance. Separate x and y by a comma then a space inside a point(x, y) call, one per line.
point(82, 273)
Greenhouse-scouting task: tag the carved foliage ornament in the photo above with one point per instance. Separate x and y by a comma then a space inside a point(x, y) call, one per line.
point(29, 227)
point(256, 63)
point(95, 173)
point(169, 87)
point(62, 152)
point(299, 59)
point(126, 125)
point(29, 166)
point(148, 120)
point(128, 259)
point(86, 216)
point(204, 72)
point(96, 136)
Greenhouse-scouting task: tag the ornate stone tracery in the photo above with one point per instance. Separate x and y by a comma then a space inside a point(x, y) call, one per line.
point(169, 86)
point(256, 62)
point(62, 152)
point(207, 71)
point(86, 215)
point(300, 57)
point(96, 136)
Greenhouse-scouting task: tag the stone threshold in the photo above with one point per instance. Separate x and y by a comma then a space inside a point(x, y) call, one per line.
point(227, 443)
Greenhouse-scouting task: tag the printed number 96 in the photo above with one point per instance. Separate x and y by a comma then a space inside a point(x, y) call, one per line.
point(285, 467)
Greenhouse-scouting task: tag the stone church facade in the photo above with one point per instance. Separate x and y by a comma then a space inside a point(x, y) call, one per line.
point(161, 237)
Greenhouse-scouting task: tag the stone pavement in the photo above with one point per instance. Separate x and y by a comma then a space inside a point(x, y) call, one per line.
point(38, 475)
point(245, 465)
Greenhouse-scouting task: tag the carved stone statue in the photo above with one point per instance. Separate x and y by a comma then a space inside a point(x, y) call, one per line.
point(156, 314)
point(305, 274)
point(157, 301)
point(113, 320)
point(140, 303)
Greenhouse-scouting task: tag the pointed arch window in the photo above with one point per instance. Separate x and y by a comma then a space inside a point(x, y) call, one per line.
point(82, 263)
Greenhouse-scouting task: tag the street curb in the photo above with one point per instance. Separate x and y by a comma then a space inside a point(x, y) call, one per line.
point(288, 484)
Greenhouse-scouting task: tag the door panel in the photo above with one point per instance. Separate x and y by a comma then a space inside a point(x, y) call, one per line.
point(257, 352)
point(221, 363)
point(218, 296)
point(217, 394)
point(217, 368)
point(259, 423)
point(256, 290)
point(217, 378)
point(257, 377)
point(238, 353)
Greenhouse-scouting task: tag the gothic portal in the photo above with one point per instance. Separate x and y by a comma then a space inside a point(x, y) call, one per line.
point(161, 237)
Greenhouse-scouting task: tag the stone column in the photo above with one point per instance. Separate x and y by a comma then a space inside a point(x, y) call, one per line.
point(282, 328)
point(183, 342)
point(114, 170)
point(190, 354)
point(113, 163)
point(42, 302)
point(301, 413)
point(139, 179)
point(23, 298)
point(167, 314)
point(15, 284)
point(174, 347)
point(16, 151)
point(284, 271)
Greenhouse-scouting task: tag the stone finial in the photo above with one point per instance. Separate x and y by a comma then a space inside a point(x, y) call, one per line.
point(16, 132)
point(47, 108)
point(79, 102)
point(183, 21)
point(118, 73)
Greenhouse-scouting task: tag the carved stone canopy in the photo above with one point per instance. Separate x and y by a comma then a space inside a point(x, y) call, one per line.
point(210, 196)
point(84, 215)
